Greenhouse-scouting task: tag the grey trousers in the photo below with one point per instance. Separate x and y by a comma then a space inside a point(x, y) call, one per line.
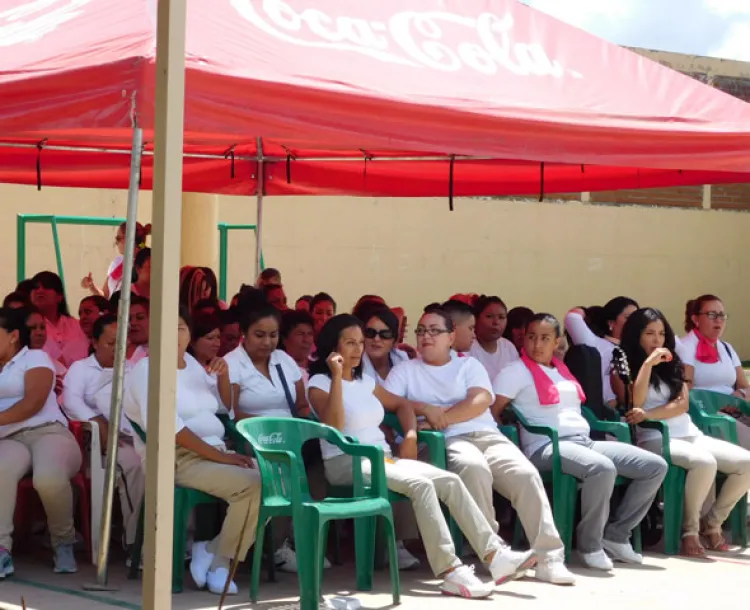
point(426, 486)
point(596, 464)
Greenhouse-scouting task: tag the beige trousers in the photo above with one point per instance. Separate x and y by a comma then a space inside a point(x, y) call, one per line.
point(426, 486)
point(487, 461)
point(52, 456)
point(240, 487)
point(702, 456)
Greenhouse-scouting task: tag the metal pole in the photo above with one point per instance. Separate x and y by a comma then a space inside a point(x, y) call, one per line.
point(259, 210)
point(118, 373)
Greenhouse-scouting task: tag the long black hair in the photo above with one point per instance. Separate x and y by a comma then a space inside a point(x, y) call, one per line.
point(670, 373)
point(327, 342)
point(52, 281)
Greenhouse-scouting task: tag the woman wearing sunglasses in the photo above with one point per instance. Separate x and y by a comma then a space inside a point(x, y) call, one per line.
point(381, 354)
point(710, 363)
point(477, 451)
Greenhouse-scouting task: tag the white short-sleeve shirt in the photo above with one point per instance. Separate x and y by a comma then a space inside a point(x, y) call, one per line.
point(397, 356)
point(363, 412)
point(87, 392)
point(516, 383)
point(260, 395)
point(582, 335)
point(196, 402)
point(494, 363)
point(720, 376)
point(13, 388)
point(679, 427)
point(443, 386)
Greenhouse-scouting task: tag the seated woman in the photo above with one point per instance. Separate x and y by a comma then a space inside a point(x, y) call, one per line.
point(205, 338)
point(16, 300)
point(542, 388)
point(230, 331)
point(381, 355)
point(303, 303)
point(297, 339)
point(615, 313)
point(89, 311)
point(114, 273)
point(710, 363)
point(492, 350)
point(202, 461)
point(34, 439)
point(66, 341)
point(365, 304)
point(515, 331)
point(37, 340)
point(354, 404)
point(460, 390)
point(142, 274)
point(87, 397)
point(268, 276)
point(197, 284)
point(322, 309)
point(660, 393)
point(276, 296)
point(138, 329)
point(464, 323)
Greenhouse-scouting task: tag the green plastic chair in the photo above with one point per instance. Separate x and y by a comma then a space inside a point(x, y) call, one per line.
point(185, 500)
point(704, 410)
point(565, 486)
point(277, 443)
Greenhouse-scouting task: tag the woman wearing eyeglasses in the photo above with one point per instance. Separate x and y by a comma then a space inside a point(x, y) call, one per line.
point(478, 452)
point(710, 363)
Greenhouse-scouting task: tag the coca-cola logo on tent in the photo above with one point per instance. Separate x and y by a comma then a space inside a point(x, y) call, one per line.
point(409, 38)
point(30, 21)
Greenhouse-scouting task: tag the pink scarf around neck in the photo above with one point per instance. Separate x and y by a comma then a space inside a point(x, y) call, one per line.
point(707, 351)
point(545, 387)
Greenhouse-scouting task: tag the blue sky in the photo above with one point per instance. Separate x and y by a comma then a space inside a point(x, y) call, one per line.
point(718, 28)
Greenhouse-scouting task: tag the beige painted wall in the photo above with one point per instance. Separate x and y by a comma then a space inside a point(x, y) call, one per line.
point(413, 251)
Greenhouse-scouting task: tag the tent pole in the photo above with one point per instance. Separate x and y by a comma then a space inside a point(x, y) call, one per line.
point(118, 374)
point(259, 209)
point(165, 265)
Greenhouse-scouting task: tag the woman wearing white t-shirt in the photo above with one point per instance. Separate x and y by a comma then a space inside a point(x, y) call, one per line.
point(66, 341)
point(354, 404)
point(710, 363)
point(492, 350)
point(660, 393)
point(202, 461)
point(34, 439)
point(381, 332)
point(542, 389)
point(476, 450)
point(87, 397)
point(615, 313)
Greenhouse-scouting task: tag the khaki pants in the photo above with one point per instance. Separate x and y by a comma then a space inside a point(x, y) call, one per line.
point(52, 456)
point(426, 486)
point(702, 456)
point(240, 487)
point(131, 488)
point(487, 461)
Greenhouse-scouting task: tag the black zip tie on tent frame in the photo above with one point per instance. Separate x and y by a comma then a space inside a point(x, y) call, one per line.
point(541, 182)
point(450, 183)
point(583, 169)
point(140, 166)
point(39, 146)
point(368, 157)
point(229, 154)
point(290, 156)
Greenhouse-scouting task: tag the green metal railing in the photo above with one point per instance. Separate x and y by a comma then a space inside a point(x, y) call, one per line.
point(24, 219)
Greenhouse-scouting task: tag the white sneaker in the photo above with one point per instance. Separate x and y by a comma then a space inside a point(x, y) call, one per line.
point(406, 561)
point(200, 562)
point(554, 571)
point(216, 579)
point(597, 560)
point(285, 559)
point(508, 564)
point(622, 551)
point(462, 582)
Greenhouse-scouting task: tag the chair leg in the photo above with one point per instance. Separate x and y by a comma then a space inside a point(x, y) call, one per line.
point(270, 549)
point(260, 533)
point(181, 513)
point(137, 550)
point(390, 534)
point(308, 550)
point(674, 506)
point(364, 547)
point(83, 503)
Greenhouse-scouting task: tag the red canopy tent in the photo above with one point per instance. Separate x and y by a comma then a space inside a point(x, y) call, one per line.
point(472, 98)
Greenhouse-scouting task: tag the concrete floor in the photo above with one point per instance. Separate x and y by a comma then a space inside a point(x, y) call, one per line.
point(660, 583)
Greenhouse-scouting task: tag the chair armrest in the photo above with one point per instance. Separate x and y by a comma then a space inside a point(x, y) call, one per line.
point(550, 433)
point(663, 428)
point(232, 433)
point(433, 439)
point(618, 429)
point(511, 433)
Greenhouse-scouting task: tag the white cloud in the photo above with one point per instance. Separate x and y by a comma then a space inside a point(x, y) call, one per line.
point(736, 44)
point(728, 8)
